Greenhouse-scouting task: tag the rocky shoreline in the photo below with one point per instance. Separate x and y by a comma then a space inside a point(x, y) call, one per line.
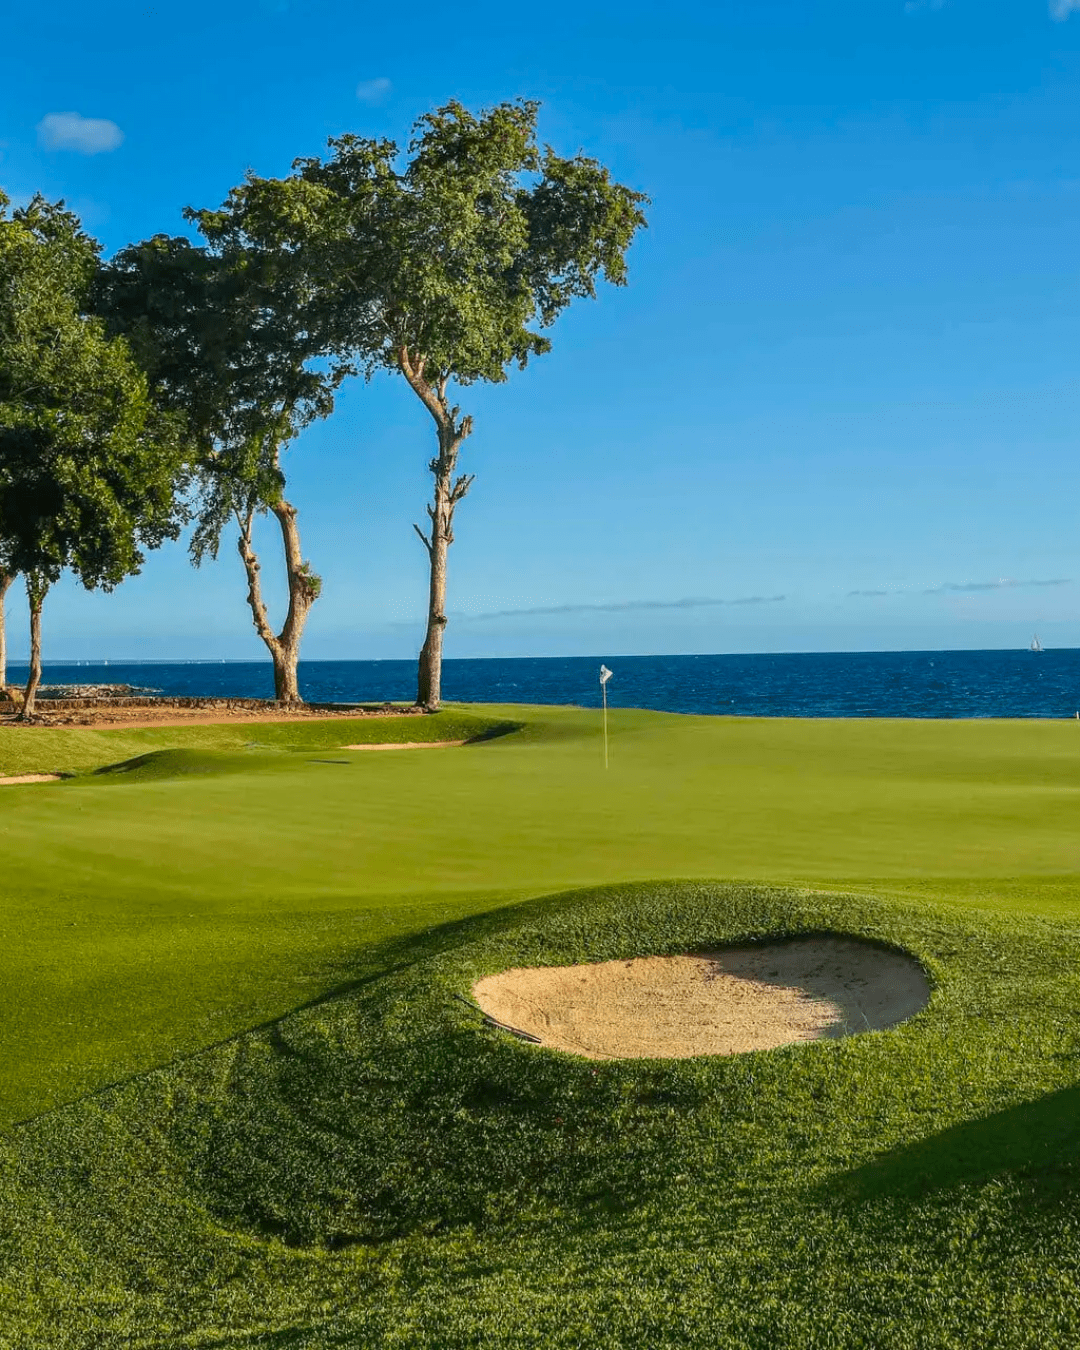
point(117, 705)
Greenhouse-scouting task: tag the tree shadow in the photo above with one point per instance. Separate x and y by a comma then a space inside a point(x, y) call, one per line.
point(1038, 1140)
point(370, 963)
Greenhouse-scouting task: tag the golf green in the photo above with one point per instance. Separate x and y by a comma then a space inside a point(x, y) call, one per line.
point(374, 1166)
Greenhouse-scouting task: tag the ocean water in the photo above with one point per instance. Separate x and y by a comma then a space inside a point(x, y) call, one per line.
point(832, 684)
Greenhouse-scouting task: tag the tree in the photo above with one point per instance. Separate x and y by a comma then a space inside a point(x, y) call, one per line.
point(90, 468)
point(6, 578)
point(444, 268)
point(228, 335)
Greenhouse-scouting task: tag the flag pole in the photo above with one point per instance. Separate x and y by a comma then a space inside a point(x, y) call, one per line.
point(605, 675)
point(603, 690)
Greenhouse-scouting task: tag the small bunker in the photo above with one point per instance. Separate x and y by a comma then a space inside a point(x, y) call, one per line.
point(710, 1003)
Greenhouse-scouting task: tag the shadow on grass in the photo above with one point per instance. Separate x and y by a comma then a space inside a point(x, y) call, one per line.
point(372, 962)
point(161, 765)
point(1038, 1140)
point(495, 732)
point(393, 956)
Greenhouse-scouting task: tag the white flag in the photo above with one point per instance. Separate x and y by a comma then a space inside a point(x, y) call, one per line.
point(605, 674)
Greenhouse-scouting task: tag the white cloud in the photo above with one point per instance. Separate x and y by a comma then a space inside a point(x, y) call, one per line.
point(1000, 584)
point(625, 606)
point(1061, 9)
point(72, 131)
point(374, 91)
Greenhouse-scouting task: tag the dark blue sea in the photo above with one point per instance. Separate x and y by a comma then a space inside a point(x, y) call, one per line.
point(833, 684)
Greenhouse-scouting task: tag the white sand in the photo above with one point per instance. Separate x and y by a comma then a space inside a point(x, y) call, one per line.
point(717, 1003)
point(404, 745)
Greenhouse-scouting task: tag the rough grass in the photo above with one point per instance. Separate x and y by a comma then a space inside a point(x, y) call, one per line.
point(371, 1166)
point(382, 1169)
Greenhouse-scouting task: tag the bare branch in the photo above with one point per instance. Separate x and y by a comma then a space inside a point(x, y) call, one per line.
point(423, 537)
point(461, 487)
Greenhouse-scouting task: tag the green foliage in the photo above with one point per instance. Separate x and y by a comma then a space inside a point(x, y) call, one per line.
point(230, 338)
point(459, 256)
point(89, 464)
point(311, 582)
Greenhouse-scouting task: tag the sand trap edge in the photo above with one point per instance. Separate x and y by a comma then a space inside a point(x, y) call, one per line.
point(18, 779)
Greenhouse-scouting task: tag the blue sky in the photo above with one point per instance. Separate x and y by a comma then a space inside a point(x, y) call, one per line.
point(836, 408)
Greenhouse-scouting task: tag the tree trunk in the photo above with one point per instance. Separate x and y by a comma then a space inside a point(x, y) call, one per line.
point(304, 588)
point(286, 680)
point(5, 581)
point(452, 430)
point(429, 676)
point(36, 591)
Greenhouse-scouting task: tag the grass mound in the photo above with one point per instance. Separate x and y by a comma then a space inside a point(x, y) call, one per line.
point(382, 1167)
point(56, 749)
point(275, 740)
point(159, 765)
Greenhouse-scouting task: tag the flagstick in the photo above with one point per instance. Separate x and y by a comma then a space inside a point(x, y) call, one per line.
point(603, 690)
point(605, 675)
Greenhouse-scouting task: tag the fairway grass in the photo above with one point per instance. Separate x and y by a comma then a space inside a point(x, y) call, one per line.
point(257, 940)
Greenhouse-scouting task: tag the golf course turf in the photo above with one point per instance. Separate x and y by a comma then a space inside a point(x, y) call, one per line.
point(246, 1106)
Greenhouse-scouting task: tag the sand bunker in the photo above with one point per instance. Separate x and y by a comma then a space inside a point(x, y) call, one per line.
point(717, 1003)
point(403, 745)
point(30, 778)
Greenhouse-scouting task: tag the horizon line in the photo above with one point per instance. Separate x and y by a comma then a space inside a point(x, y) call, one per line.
point(450, 660)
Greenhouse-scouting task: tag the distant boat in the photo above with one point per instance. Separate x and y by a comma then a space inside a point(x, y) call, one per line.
point(1036, 645)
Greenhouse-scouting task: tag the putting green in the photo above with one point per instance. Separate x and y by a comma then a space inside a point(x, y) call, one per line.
point(236, 874)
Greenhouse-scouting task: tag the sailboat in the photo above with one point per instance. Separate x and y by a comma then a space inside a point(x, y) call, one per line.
point(1036, 645)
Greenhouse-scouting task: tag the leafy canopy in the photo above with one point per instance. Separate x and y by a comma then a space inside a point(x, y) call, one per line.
point(231, 339)
point(456, 255)
point(89, 465)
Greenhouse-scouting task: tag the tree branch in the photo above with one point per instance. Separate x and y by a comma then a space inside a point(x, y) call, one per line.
point(434, 400)
point(461, 487)
point(255, 601)
point(423, 537)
